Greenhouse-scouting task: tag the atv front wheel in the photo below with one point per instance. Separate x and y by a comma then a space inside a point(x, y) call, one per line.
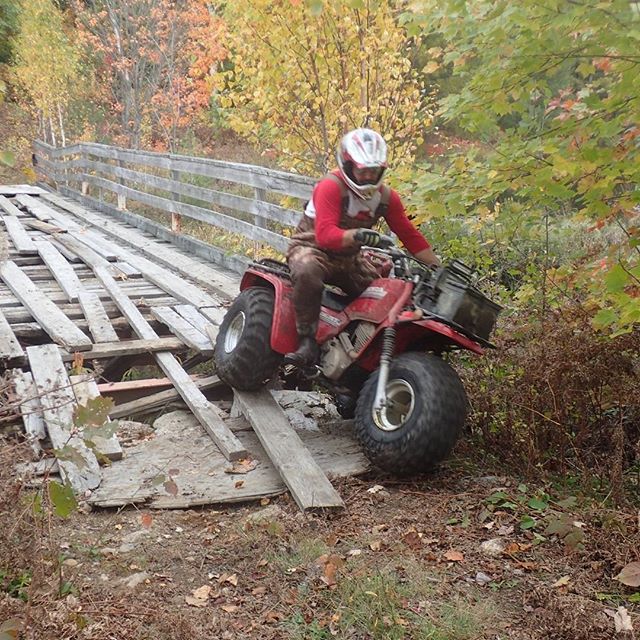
point(243, 355)
point(425, 412)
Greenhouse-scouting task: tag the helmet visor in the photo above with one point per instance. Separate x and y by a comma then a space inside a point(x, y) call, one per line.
point(363, 175)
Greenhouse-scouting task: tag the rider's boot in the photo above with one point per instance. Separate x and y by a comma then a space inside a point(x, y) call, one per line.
point(307, 352)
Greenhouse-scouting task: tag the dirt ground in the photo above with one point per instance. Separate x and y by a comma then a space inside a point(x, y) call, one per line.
point(465, 553)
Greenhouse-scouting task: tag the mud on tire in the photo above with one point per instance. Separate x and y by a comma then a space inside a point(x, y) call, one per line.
point(433, 424)
point(243, 355)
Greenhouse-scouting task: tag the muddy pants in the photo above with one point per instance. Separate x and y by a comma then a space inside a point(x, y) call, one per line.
point(311, 268)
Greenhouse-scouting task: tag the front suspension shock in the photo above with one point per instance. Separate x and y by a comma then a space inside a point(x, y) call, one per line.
point(388, 347)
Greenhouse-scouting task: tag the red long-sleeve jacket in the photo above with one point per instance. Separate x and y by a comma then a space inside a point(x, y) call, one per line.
point(330, 224)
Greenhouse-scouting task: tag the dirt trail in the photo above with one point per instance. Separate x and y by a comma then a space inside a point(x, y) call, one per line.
point(462, 554)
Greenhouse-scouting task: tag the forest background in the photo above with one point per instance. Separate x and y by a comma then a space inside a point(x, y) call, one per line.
point(515, 136)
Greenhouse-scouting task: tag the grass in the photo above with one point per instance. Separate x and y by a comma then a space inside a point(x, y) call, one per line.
point(383, 603)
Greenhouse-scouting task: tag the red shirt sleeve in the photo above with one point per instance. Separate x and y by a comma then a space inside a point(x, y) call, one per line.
point(327, 200)
point(398, 222)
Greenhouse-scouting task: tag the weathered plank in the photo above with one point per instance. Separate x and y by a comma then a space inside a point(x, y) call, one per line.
point(30, 408)
point(46, 313)
point(206, 413)
point(99, 324)
point(35, 207)
point(61, 270)
point(57, 400)
point(13, 189)
point(214, 314)
point(86, 389)
point(9, 207)
point(201, 273)
point(190, 313)
point(180, 443)
point(307, 482)
point(10, 348)
point(127, 348)
point(21, 241)
point(160, 398)
point(183, 329)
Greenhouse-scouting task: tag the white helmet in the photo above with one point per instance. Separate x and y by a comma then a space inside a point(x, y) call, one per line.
point(362, 149)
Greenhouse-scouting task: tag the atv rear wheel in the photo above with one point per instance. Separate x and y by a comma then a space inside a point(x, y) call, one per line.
point(243, 355)
point(423, 420)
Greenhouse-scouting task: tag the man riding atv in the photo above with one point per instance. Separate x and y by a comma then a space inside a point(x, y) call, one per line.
point(337, 221)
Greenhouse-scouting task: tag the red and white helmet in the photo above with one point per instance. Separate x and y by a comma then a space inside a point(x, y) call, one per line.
point(362, 149)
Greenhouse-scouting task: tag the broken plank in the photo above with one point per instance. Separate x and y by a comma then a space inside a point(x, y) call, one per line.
point(35, 207)
point(30, 408)
point(207, 414)
point(183, 329)
point(99, 324)
point(303, 476)
point(61, 270)
point(80, 466)
point(21, 241)
point(155, 400)
point(46, 313)
point(10, 348)
point(86, 389)
point(127, 348)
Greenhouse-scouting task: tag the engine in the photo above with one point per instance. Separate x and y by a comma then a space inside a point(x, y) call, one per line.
point(340, 352)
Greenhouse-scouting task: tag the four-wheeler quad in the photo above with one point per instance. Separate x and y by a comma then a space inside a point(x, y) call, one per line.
point(380, 353)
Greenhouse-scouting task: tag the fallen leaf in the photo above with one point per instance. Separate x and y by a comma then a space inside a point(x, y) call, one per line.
point(259, 591)
point(273, 617)
point(630, 575)
point(170, 487)
point(199, 597)
point(375, 545)
point(229, 608)
point(454, 556)
point(412, 539)
point(622, 620)
point(242, 466)
point(231, 578)
point(562, 582)
point(146, 520)
point(238, 484)
point(202, 593)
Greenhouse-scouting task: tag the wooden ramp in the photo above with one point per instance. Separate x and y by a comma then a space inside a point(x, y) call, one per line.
point(82, 291)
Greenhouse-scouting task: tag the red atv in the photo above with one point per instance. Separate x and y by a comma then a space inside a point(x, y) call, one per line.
point(380, 353)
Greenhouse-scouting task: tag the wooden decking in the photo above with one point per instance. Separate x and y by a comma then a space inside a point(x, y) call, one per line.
point(80, 288)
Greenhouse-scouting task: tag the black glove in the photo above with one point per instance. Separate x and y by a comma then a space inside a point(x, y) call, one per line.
point(371, 238)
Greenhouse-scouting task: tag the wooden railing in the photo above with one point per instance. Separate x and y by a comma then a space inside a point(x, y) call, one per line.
point(257, 203)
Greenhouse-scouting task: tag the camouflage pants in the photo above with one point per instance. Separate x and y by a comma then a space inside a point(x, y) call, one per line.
point(311, 268)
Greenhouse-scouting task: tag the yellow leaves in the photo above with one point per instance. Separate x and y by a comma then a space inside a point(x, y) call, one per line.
point(431, 66)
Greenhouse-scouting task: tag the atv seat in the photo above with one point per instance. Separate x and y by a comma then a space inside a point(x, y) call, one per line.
point(335, 299)
point(332, 297)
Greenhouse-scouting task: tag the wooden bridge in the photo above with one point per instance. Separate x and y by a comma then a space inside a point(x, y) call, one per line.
point(104, 266)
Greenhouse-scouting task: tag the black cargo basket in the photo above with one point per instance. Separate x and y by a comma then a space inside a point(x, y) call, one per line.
point(450, 297)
